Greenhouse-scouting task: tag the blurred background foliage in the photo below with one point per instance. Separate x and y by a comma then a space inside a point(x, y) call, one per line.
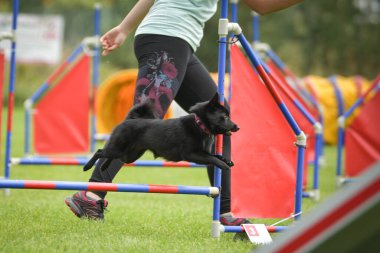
point(321, 37)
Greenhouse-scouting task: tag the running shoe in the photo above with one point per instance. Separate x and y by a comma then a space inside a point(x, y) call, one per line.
point(86, 207)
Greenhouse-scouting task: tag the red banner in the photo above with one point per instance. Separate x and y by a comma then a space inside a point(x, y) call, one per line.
point(289, 96)
point(61, 118)
point(263, 178)
point(363, 138)
point(2, 66)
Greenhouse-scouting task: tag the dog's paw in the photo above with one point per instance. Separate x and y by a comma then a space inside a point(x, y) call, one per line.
point(230, 163)
point(226, 167)
point(222, 158)
point(86, 167)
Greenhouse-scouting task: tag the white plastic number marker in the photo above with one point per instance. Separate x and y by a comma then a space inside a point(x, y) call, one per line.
point(257, 233)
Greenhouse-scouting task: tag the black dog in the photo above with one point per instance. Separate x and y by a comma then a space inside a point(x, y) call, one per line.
point(187, 138)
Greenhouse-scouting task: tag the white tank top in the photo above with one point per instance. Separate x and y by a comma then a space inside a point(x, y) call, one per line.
point(184, 19)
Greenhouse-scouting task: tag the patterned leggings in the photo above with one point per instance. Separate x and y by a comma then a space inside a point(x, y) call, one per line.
point(169, 70)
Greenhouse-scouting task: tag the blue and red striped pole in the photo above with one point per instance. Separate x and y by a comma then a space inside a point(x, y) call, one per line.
point(92, 186)
point(84, 160)
point(11, 91)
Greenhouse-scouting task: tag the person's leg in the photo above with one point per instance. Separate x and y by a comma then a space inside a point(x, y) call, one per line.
point(198, 86)
point(162, 65)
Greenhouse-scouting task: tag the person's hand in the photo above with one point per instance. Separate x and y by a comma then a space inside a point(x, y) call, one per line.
point(112, 40)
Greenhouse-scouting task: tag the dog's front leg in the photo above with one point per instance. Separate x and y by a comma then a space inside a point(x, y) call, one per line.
point(228, 162)
point(98, 154)
point(206, 158)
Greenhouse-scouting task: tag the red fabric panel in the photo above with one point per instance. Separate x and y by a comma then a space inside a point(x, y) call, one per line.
point(2, 66)
point(273, 68)
point(363, 138)
point(288, 95)
point(263, 178)
point(61, 119)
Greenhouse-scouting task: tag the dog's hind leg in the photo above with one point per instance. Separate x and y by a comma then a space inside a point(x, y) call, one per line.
point(98, 154)
point(104, 164)
point(132, 156)
point(128, 158)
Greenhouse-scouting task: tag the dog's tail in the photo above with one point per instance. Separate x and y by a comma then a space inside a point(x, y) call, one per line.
point(145, 110)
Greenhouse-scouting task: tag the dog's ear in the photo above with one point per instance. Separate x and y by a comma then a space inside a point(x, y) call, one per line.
point(215, 100)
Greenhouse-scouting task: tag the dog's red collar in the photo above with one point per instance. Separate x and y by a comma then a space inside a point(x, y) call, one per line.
point(201, 125)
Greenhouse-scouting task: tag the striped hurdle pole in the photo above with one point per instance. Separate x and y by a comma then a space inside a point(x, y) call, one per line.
point(91, 186)
point(342, 125)
point(84, 160)
point(300, 136)
point(11, 90)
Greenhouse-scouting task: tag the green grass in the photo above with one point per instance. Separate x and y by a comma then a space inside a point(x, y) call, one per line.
point(39, 221)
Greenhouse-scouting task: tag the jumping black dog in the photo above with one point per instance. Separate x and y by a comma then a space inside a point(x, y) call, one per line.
point(188, 138)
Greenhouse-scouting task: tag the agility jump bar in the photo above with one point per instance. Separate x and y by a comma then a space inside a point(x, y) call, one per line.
point(84, 160)
point(112, 187)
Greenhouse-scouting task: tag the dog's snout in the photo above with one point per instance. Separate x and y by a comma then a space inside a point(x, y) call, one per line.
point(235, 128)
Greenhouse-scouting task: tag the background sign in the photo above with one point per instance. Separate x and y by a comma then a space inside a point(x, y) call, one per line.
point(39, 37)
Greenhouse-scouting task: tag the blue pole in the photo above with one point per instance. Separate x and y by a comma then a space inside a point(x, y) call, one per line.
point(95, 74)
point(299, 181)
point(318, 142)
point(334, 82)
point(12, 81)
point(234, 10)
point(340, 150)
point(255, 27)
point(234, 19)
point(221, 73)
